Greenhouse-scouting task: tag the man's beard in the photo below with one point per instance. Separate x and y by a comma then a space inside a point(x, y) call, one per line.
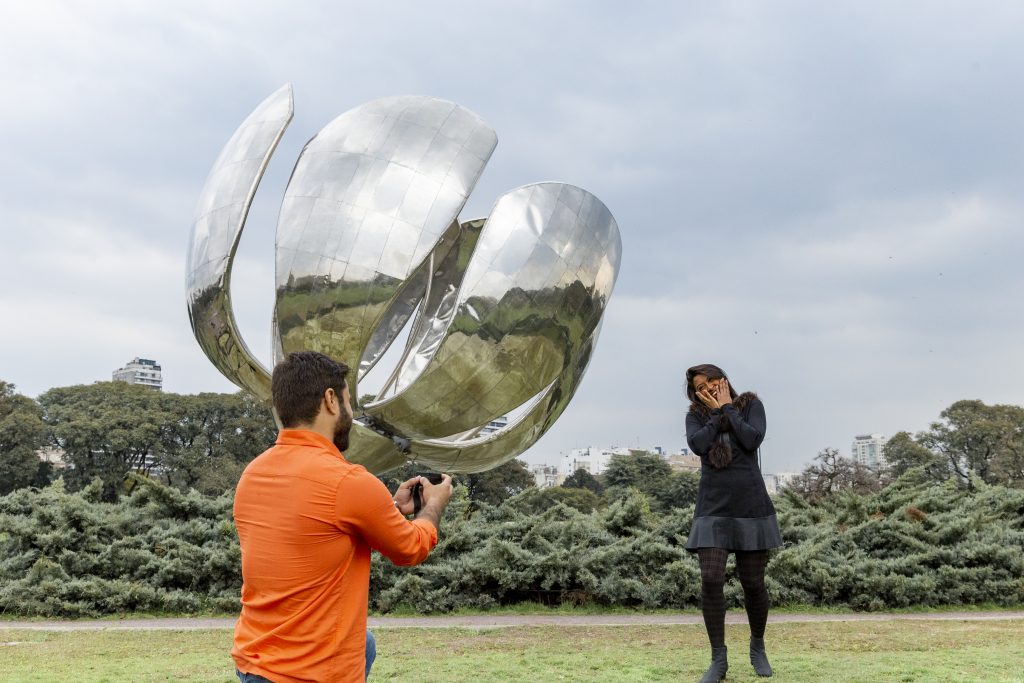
point(341, 432)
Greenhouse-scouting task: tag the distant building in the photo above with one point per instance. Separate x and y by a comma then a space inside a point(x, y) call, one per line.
point(683, 462)
point(141, 371)
point(52, 455)
point(776, 482)
point(867, 450)
point(546, 476)
point(494, 425)
point(593, 460)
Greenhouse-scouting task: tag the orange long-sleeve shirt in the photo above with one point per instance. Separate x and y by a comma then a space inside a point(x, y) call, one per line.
point(307, 520)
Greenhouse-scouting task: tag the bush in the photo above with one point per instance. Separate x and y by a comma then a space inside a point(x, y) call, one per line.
point(916, 542)
point(157, 550)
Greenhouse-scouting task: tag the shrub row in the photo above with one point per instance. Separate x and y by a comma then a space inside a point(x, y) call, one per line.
point(157, 550)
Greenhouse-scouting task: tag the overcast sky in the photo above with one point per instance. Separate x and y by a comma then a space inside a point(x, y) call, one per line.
point(822, 198)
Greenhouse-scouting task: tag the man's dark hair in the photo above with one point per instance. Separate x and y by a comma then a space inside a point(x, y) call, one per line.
point(299, 383)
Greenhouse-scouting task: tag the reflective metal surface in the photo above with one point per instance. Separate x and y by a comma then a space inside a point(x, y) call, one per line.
point(220, 216)
point(369, 201)
point(505, 310)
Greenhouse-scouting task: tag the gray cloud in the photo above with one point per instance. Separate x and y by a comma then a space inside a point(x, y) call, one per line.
point(823, 199)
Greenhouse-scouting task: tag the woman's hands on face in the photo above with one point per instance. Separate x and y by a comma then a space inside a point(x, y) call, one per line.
point(723, 396)
point(707, 397)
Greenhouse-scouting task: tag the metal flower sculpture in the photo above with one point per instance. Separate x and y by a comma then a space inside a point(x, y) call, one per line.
point(503, 311)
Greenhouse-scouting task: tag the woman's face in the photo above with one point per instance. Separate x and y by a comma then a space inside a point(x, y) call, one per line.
point(702, 383)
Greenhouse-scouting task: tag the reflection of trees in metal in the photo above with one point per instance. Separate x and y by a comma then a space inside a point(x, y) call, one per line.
point(503, 312)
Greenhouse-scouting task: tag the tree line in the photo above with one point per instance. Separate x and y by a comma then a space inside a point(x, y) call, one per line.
point(108, 430)
point(970, 443)
point(141, 521)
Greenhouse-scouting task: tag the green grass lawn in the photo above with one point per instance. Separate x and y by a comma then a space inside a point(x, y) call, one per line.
point(925, 651)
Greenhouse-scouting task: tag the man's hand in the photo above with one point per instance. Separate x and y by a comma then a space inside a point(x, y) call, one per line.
point(435, 498)
point(403, 496)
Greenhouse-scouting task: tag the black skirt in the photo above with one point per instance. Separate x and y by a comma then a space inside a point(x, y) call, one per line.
point(733, 510)
point(734, 533)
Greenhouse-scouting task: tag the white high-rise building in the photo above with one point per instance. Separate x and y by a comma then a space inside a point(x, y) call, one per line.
point(141, 371)
point(867, 450)
point(593, 460)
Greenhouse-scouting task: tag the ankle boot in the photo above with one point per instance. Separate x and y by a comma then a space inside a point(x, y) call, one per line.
point(759, 658)
point(719, 665)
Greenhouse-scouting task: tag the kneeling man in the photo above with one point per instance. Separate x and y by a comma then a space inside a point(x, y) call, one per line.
point(307, 520)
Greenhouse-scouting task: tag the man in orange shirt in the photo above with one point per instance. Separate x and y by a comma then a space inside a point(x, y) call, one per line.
point(307, 520)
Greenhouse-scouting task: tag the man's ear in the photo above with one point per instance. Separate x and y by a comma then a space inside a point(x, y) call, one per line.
point(332, 402)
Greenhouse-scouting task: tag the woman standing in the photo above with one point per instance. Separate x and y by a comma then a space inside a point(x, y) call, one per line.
point(734, 512)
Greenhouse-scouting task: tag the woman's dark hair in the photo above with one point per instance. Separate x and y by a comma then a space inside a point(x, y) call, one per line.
point(299, 382)
point(720, 454)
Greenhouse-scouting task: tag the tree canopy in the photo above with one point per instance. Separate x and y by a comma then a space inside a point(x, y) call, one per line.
point(496, 485)
point(832, 474)
point(21, 435)
point(109, 429)
point(651, 475)
point(902, 453)
point(981, 440)
point(582, 479)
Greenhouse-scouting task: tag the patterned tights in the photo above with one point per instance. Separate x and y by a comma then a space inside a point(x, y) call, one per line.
point(750, 566)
